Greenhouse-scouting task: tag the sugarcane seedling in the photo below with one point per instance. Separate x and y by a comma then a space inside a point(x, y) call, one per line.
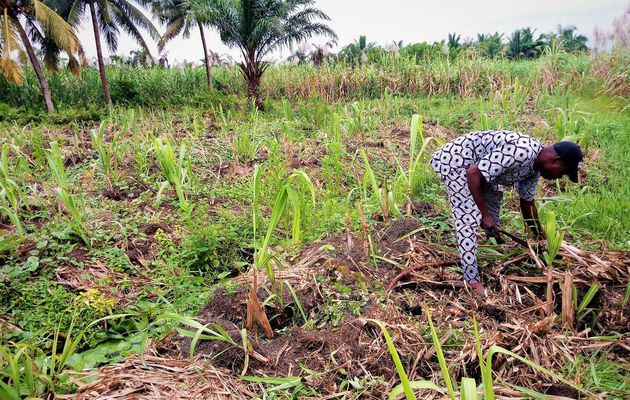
point(364, 231)
point(554, 242)
point(409, 207)
point(348, 232)
point(385, 201)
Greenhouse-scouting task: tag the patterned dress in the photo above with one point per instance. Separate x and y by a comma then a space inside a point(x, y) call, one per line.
point(504, 158)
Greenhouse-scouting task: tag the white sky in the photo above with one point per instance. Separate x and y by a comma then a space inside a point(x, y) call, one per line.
point(411, 21)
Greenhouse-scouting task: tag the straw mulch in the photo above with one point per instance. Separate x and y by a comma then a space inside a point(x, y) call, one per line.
point(523, 313)
point(162, 378)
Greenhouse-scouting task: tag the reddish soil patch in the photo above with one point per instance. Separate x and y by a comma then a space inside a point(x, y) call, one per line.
point(392, 236)
point(79, 254)
point(423, 208)
point(562, 391)
point(140, 251)
point(151, 228)
point(613, 317)
point(233, 169)
point(118, 194)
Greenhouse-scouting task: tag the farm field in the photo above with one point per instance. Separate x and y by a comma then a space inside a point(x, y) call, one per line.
point(134, 237)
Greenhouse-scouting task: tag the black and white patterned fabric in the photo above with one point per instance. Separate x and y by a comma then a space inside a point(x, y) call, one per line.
point(504, 158)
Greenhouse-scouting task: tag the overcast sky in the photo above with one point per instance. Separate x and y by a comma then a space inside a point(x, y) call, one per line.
point(413, 21)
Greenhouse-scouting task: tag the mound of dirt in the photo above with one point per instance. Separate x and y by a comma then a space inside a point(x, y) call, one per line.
point(340, 290)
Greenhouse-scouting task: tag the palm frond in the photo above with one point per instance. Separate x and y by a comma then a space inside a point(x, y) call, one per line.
point(76, 15)
point(173, 28)
point(107, 26)
point(10, 38)
point(74, 65)
point(298, 35)
point(49, 48)
point(12, 70)
point(57, 29)
point(122, 19)
point(136, 17)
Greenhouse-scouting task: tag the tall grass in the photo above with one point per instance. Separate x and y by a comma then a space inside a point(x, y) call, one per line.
point(27, 372)
point(11, 194)
point(466, 76)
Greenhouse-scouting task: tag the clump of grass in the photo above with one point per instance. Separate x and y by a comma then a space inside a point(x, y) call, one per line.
point(27, 371)
point(11, 195)
point(262, 257)
point(416, 167)
point(56, 165)
point(107, 153)
point(245, 145)
point(58, 171)
point(175, 170)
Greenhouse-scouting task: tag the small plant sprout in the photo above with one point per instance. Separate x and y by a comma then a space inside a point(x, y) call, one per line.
point(485, 365)
point(245, 145)
point(107, 153)
point(554, 238)
point(405, 386)
point(416, 166)
point(554, 242)
point(175, 170)
point(382, 195)
point(58, 170)
point(582, 310)
point(76, 220)
point(55, 163)
point(262, 257)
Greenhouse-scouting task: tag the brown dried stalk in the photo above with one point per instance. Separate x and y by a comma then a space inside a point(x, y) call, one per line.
point(255, 311)
point(407, 271)
point(567, 301)
point(364, 231)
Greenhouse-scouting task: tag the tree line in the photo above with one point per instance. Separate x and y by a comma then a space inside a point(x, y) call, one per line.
point(39, 32)
point(256, 27)
point(523, 43)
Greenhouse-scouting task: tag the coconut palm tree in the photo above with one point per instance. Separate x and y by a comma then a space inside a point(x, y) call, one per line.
point(454, 41)
point(356, 52)
point(521, 44)
point(180, 16)
point(108, 18)
point(490, 46)
point(260, 27)
point(568, 40)
point(26, 21)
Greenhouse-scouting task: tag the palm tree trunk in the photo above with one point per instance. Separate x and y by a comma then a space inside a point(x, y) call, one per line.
point(43, 83)
point(205, 54)
point(252, 72)
point(253, 91)
point(99, 55)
